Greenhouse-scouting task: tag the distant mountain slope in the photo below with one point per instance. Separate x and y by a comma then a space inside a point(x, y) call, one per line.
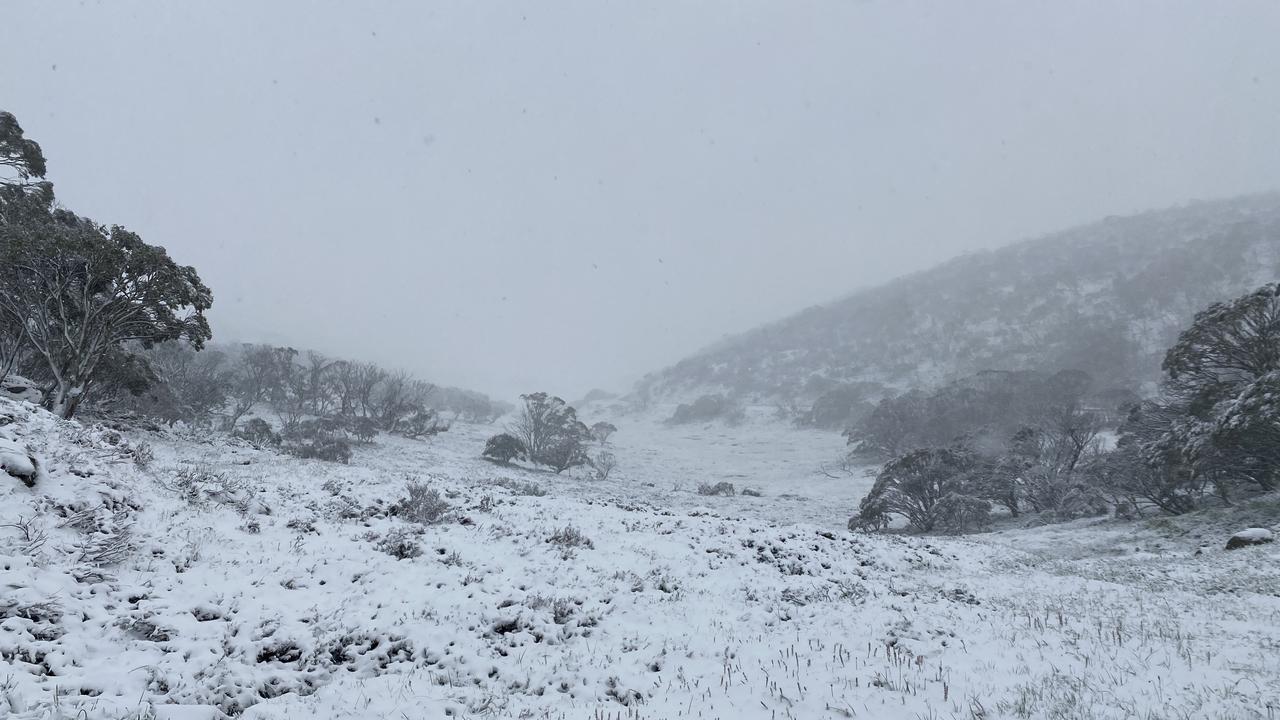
point(1107, 298)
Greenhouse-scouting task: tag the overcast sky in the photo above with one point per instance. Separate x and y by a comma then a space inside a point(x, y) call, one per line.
point(545, 195)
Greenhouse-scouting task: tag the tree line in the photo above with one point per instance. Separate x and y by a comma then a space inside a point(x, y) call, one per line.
point(96, 317)
point(1048, 444)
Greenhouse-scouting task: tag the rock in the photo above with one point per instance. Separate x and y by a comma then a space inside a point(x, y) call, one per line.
point(1251, 536)
point(17, 462)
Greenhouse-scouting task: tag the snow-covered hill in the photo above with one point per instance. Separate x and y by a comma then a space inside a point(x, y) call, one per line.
point(149, 575)
point(1106, 298)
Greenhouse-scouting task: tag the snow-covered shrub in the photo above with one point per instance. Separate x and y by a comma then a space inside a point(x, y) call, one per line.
point(521, 488)
point(422, 504)
point(422, 423)
point(364, 429)
point(914, 487)
point(142, 454)
point(604, 463)
point(503, 448)
point(319, 440)
point(720, 488)
point(200, 484)
point(570, 537)
point(706, 408)
point(400, 544)
point(258, 432)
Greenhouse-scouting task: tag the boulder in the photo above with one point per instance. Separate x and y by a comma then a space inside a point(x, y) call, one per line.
point(1250, 536)
point(16, 462)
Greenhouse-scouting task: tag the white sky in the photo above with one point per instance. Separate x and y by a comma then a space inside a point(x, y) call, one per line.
point(548, 195)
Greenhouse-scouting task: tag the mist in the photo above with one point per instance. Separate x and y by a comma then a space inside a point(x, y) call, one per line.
point(562, 196)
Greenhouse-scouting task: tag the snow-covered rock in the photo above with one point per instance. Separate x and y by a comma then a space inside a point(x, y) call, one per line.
point(16, 462)
point(18, 388)
point(1250, 536)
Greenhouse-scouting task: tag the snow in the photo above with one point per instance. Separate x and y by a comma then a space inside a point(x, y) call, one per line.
point(1254, 535)
point(257, 586)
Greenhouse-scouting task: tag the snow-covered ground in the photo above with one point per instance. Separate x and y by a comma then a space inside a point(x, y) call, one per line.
point(218, 575)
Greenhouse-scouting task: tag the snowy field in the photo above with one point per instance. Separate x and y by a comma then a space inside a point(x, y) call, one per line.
point(216, 578)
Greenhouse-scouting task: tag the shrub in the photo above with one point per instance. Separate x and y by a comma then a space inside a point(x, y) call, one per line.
point(423, 504)
point(720, 488)
point(707, 407)
point(569, 537)
point(319, 440)
point(364, 429)
point(551, 433)
point(503, 448)
point(914, 487)
point(400, 544)
point(604, 463)
point(258, 432)
point(521, 488)
point(422, 423)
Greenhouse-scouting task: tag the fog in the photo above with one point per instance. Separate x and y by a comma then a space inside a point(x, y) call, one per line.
point(558, 196)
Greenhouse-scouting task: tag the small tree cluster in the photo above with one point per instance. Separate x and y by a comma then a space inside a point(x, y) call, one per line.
point(1215, 428)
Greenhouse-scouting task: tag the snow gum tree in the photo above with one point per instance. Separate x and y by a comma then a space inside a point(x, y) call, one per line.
point(77, 291)
point(1222, 393)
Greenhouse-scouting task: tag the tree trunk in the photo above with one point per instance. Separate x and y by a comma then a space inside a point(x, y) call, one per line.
point(66, 399)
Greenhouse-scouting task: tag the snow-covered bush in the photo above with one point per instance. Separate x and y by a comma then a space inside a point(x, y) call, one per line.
point(422, 504)
point(720, 488)
point(521, 488)
point(706, 408)
point(503, 448)
point(570, 537)
point(400, 544)
point(258, 433)
point(604, 463)
point(317, 439)
point(932, 489)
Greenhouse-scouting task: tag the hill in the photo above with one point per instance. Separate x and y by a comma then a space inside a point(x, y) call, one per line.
point(1107, 298)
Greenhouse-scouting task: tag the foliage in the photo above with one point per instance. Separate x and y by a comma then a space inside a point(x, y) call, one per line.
point(73, 292)
point(503, 448)
point(422, 504)
point(604, 464)
point(932, 489)
point(258, 433)
point(602, 431)
point(317, 439)
point(720, 488)
point(706, 408)
point(550, 432)
point(1223, 383)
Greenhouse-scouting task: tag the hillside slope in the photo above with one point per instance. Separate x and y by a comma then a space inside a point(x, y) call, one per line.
point(220, 580)
point(1107, 298)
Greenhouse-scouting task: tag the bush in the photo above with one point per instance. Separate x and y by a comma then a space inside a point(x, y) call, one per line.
point(400, 544)
point(570, 536)
point(720, 488)
point(550, 432)
point(364, 429)
point(258, 432)
point(319, 440)
point(423, 504)
point(604, 463)
point(422, 423)
point(705, 408)
point(933, 489)
point(521, 488)
point(503, 448)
